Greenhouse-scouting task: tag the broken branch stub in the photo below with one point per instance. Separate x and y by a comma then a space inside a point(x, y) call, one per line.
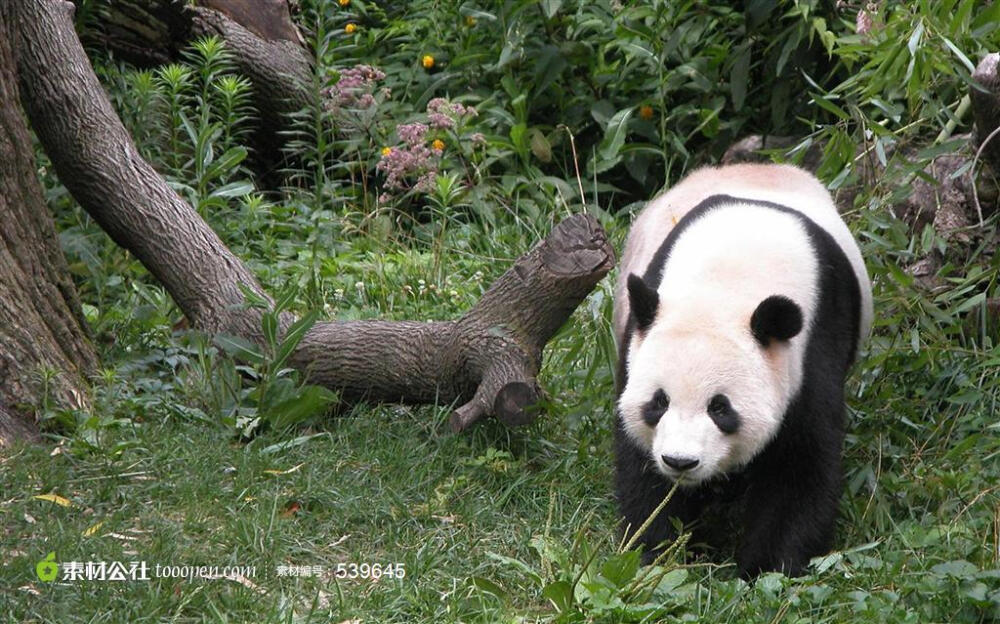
point(985, 95)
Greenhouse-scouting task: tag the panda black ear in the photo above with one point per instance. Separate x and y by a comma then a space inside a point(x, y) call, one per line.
point(643, 301)
point(776, 317)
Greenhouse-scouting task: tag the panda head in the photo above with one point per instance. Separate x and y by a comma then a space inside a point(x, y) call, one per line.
point(704, 397)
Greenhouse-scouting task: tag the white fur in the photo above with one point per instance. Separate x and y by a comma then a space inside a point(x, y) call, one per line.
point(700, 344)
point(781, 184)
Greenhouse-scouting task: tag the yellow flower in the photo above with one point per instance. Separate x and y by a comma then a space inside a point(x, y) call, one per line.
point(470, 21)
point(646, 112)
point(350, 28)
point(344, 2)
point(427, 61)
point(438, 144)
point(386, 151)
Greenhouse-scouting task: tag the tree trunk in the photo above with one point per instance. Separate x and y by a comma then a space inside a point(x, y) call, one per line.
point(264, 42)
point(488, 358)
point(45, 354)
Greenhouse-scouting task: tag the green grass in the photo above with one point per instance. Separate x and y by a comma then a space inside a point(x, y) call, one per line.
point(389, 485)
point(496, 525)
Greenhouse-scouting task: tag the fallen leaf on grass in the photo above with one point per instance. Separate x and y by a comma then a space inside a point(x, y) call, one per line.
point(239, 578)
point(54, 498)
point(281, 472)
point(93, 529)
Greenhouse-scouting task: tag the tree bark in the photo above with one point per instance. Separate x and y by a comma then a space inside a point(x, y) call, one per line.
point(45, 354)
point(985, 94)
point(488, 358)
point(260, 35)
point(153, 32)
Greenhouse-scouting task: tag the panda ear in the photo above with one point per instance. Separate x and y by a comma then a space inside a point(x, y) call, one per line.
point(643, 301)
point(776, 317)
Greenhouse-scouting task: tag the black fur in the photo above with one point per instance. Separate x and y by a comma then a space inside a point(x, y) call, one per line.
point(653, 411)
point(721, 411)
point(777, 317)
point(787, 498)
point(643, 302)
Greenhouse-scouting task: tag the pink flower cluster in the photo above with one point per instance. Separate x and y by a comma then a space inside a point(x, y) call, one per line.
point(411, 160)
point(863, 22)
point(354, 89)
point(412, 134)
point(444, 114)
point(414, 160)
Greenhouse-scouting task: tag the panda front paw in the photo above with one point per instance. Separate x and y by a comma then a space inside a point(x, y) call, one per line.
point(753, 564)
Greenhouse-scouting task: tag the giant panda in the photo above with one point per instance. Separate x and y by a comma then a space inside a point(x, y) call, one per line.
point(741, 303)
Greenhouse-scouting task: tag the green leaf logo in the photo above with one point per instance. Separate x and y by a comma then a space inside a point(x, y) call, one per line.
point(47, 569)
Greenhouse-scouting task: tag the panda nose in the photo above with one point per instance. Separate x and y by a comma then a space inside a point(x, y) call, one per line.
point(679, 463)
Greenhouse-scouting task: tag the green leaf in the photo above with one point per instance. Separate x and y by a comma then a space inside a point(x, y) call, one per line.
point(285, 298)
point(551, 7)
point(239, 188)
point(478, 14)
point(310, 401)
point(488, 586)
point(957, 569)
point(540, 145)
point(519, 565)
point(621, 569)
point(287, 444)
point(739, 75)
point(239, 348)
point(958, 53)
point(914, 42)
point(826, 104)
point(225, 163)
point(517, 137)
point(549, 64)
point(615, 134)
point(635, 49)
point(293, 337)
point(560, 594)
point(791, 44)
point(254, 299)
point(269, 326)
point(971, 302)
point(670, 581)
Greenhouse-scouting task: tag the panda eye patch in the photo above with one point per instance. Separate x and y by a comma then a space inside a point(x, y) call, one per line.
point(721, 411)
point(654, 409)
